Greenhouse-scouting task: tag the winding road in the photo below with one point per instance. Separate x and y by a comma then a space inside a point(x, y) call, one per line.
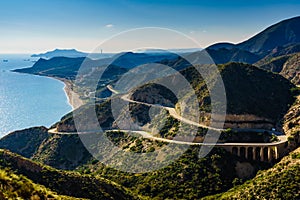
point(172, 112)
point(144, 134)
point(282, 138)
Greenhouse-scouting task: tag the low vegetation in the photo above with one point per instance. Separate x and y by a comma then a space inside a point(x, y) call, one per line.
point(63, 182)
point(279, 182)
point(14, 186)
point(189, 177)
point(25, 142)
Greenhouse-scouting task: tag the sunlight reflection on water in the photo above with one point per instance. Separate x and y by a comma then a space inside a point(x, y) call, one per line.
point(27, 100)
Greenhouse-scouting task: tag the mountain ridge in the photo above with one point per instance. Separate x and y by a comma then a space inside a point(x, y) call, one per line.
point(281, 34)
point(71, 53)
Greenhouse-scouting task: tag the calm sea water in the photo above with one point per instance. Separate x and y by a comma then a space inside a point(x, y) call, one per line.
point(28, 100)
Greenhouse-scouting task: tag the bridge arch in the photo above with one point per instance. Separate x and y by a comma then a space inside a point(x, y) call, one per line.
point(235, 151)
point(266, 154)
point(250, 153)
point(257, 153)
point(243, 152)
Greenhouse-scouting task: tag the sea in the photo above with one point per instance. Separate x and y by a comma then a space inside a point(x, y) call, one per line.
point(28, 100)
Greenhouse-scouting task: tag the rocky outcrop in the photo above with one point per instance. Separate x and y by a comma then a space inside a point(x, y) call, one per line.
point(291, 69)
point(154, 94)
point(291, 123)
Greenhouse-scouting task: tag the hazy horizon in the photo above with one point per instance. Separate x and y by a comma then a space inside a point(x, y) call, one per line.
point(34, 27)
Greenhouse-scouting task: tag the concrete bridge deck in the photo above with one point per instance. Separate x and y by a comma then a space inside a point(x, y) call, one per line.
point(266, 152)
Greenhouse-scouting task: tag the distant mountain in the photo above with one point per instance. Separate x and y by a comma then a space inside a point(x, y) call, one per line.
point(225, 55)
point(281, 34)
point(221, 45)
point(279, 39)
point(64, 67)
point(163, 51)
point(71, 53)
point(130, 60)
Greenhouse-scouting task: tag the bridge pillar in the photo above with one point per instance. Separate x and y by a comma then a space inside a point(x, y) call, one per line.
point(259, 153)
point(269, 153)
point(254, 153)
point(276, 153)
point(262, 154)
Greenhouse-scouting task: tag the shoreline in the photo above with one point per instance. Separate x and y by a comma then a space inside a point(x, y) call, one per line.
point(73, 98)
point(72, 102)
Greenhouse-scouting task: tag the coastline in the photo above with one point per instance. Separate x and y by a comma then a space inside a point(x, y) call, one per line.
point(73, 98)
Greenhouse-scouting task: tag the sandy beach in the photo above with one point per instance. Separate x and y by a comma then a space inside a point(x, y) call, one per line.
point(73, 98)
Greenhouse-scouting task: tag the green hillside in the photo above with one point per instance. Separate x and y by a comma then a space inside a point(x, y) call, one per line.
point(249, 90)
point(14, 186)
point(188, 177)
point(25, 142)
point(63, 182)
point(62, 152)
point(279, 182)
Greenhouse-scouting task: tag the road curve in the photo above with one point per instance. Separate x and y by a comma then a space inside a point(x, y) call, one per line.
point(282, 138)
point(172, 112)
point(144, 134)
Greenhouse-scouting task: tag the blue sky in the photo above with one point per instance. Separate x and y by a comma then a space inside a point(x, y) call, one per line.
point(38, 25)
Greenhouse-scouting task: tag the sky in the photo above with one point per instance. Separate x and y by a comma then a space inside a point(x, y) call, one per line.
point(35, 26)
